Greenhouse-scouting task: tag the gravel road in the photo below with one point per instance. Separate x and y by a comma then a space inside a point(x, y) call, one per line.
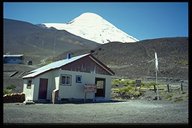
point(133, 111)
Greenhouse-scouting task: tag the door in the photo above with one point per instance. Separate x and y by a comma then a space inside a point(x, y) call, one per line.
point(100, 83)
point(43, 88)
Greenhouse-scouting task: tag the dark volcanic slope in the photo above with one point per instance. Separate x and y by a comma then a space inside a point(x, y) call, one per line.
point(131, 59)
point(38, 42)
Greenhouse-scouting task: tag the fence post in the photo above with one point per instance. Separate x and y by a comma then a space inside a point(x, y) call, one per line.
point(181, 86)
point(168, 88)
point(155, 89)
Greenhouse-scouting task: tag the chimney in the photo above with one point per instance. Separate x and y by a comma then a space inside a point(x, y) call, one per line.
point(68, 55)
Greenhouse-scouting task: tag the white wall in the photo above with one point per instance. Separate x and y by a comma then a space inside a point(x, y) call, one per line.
point(28, 92)
point(33, 93)
point(51, 84)
point(76, 90)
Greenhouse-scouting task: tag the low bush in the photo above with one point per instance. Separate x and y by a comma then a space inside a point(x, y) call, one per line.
point(7, 91)
point(11, 87)
point(178, 99)
point(148, 85)
point(127, 92)
point(124, 82)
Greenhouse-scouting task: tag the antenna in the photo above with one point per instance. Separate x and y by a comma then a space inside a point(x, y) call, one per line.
point(156, 70)
point(54, 46)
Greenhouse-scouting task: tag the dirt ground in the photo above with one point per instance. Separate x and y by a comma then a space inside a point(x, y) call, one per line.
point(131, 111)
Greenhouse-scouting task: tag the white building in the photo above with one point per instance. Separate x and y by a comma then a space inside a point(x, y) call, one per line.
point(65, 79)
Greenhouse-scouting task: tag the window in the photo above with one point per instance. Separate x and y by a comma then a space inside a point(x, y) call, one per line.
point(65, 80)
point(29, 82)
point(78, 79)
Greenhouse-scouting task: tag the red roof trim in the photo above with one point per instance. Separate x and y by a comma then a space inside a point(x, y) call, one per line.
point(102, 65)
point(91, 56)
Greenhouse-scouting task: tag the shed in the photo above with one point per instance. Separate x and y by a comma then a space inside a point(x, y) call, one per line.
point(66, 79)
point(13, 59)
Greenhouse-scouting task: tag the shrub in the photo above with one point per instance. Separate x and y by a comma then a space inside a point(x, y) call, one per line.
point(177, 99)
point(11, 87)
point(148, 85)
point(7, 91)
point(125, 82)
point(169, 96)
point(115, 82)
point(128, 92)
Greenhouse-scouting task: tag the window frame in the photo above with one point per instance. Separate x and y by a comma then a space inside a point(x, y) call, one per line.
point(68, 78)
point(78, 76)
point(29, 83)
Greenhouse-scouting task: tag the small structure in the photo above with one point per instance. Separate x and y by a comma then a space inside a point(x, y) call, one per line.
point(13, 59)
point(66, 79)
point(29, 62)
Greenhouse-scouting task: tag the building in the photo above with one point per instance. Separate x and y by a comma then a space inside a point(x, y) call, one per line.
point(13, 59)
point(66, 79)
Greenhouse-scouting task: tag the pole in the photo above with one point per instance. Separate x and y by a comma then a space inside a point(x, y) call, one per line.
point(181, 86)
point(157, 87)
point(168, 87)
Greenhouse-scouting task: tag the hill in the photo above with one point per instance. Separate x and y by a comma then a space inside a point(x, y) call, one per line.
point(38, 43)
point(131, 60)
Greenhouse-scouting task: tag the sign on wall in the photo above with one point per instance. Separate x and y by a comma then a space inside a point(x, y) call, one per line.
point(90, 88)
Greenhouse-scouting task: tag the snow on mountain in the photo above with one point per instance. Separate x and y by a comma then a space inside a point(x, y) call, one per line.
point(93, 27)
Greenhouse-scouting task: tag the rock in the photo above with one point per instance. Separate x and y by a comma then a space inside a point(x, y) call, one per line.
point(27, 102)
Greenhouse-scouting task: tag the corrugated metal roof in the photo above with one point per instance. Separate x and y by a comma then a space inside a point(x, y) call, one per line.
point(53, 65)
point(13, 55)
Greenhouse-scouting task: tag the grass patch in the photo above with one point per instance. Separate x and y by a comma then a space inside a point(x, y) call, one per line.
point(126, 92)
point(128, 82)
point(168, 96)
point(7, 91)
point(174, 96)
point(178, 99)
point(11, 87)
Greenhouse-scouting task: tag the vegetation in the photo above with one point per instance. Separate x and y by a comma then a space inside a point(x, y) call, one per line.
point(175, 96)
point(9, 89)
point(125, 89)
point(128, 82)
point(182, 62)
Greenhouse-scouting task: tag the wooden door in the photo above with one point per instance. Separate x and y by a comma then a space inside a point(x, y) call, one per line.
point(43, 88)
point(100, 83)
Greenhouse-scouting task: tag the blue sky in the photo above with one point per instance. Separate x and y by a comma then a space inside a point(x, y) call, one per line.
point(140, 20)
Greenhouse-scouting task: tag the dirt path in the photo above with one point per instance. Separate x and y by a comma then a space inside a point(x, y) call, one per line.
point(133, 111)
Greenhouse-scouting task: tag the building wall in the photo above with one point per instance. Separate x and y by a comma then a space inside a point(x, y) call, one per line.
point(33, 93)
point(28, 92)
point(51, 84)
point(13, 60)
point(85, 64)
point(76, 90)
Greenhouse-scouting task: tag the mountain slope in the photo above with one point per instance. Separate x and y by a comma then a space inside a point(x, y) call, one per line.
point(37, 43)
point(131, 60)
point(93, 27)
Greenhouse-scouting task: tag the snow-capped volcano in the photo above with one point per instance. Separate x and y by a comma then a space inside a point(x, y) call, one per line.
point(93, 27)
